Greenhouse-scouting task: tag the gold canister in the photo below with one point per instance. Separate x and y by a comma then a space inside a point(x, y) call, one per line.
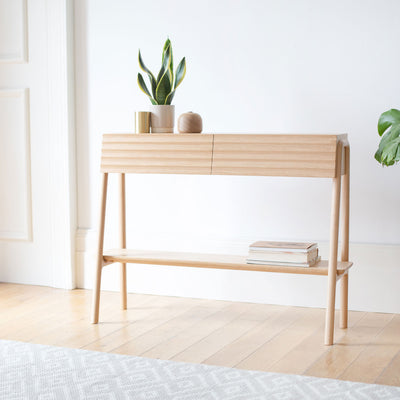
point(142, 122)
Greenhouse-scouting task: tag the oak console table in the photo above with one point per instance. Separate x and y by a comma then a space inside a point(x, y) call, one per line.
point(318, 156)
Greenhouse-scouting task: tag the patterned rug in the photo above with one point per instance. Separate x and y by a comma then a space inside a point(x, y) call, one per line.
point(31, 371)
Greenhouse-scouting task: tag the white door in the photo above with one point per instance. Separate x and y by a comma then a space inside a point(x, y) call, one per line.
point(36, 203)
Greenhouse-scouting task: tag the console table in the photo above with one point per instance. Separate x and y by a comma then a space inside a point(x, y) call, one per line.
point(318, 156)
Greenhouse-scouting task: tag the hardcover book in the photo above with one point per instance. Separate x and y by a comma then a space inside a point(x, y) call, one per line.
point(286, 264)
point(283, 246)
point(284, 256)
point(299, 254)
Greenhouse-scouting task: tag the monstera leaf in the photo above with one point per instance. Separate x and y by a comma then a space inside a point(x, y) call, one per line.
point(388, 152)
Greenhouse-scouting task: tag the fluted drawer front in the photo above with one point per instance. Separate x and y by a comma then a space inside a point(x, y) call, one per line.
point(157, 154)
point(275, 155)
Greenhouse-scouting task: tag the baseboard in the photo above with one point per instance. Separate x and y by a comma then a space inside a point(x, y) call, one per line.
point(373, 283)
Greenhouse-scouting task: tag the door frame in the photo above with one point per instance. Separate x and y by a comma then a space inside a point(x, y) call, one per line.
point(62, 141)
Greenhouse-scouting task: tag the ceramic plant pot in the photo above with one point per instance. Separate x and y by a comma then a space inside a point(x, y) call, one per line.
point(162, 118)
point(190, 122)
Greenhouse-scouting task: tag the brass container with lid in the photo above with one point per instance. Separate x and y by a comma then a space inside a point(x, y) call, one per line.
point(142, 121)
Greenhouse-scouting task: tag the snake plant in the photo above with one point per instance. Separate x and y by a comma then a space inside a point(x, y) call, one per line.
point(388, 152)
point(163, 88)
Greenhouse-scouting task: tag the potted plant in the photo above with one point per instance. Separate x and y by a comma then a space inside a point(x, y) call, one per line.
point(388, 152)
point(162, 89)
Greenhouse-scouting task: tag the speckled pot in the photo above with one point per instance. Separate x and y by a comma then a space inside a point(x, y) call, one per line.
point(162, 118)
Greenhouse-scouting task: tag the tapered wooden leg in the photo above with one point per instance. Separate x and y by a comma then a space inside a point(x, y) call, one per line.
point(344, 285)
point(124, 299)
point(100, 243)
point(122, 224)
point(344, 296)
point(333, 251)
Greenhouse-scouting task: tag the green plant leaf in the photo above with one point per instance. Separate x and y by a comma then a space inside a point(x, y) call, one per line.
point(391, 152)
point(171, 64)
point(388, 119)
point(180, 72)
point(163, 88)
point(179, 75)
point(164, 79)
point(149, 73)
point(166, 45)
point(170, 97)
point(143, 87)
point(388, 151)
point(165, 64)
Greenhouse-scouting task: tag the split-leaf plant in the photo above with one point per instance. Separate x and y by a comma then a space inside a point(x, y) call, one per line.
point(388, 152)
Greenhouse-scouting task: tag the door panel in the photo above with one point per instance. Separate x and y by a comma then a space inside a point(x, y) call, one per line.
point(29, 238)
point(13, 31)
point(15, 200)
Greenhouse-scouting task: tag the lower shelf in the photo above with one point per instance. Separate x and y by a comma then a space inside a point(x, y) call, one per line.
point(219, 261)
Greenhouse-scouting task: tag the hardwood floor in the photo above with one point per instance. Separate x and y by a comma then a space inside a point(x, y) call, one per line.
point(243, 335)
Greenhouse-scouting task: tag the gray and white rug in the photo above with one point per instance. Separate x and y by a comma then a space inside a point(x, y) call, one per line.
point(31, 371)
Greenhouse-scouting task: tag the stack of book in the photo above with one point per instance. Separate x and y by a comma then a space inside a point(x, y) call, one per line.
point(295, 254)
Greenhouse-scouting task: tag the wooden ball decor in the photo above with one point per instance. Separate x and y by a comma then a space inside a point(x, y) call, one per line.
point(190, 122)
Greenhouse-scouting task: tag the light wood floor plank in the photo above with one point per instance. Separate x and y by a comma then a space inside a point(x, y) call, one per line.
point(311, 348)
point(391, 374)
point(372, 361)
point(335, 361)
point(39, 314)
point(193, 334)
point(112, 322)
point(252, 336)
point(163, 332)
point(232, 354)
point(218, 339)
point(156, 313)
point(66, 316)
point(280, 345)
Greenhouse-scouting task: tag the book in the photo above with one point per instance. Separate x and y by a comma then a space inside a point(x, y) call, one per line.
point(284, 256)
point(286, 264)
point(283, 253)
point(293, 247)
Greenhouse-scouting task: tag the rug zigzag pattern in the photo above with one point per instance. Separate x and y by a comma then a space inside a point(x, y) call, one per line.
point(30, 371)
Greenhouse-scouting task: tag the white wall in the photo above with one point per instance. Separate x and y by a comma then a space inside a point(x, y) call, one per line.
point(285, 66)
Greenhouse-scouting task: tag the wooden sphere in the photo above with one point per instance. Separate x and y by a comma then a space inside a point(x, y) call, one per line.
point(190, 122)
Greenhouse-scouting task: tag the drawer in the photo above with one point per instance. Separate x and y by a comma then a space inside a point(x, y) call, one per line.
point(275, 155)
point(157, 153)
